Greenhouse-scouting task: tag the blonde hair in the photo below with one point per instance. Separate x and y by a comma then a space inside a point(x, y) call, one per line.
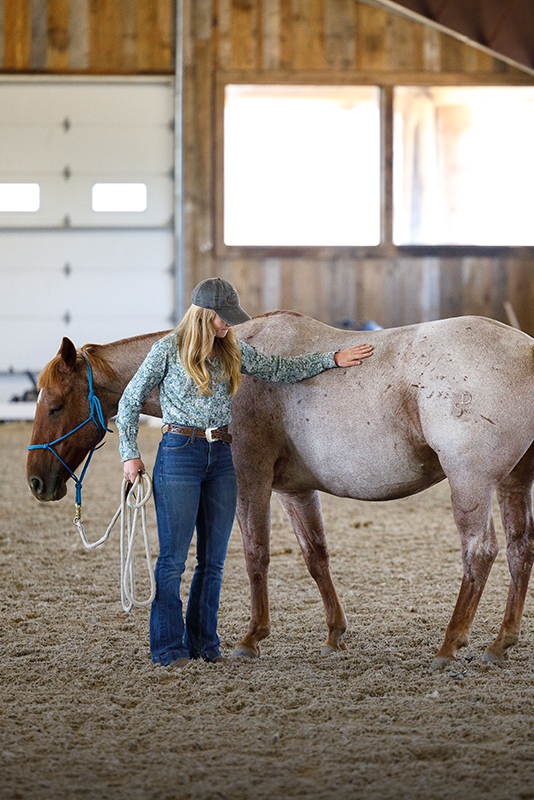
point(196, 341)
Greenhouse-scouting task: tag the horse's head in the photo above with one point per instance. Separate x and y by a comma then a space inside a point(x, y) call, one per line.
point(63, 405)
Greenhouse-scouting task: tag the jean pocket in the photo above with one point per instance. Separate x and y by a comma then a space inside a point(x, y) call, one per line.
point(176, 441)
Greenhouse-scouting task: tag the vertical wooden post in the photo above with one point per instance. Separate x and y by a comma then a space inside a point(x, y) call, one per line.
point(386, 167)
point(179, 243)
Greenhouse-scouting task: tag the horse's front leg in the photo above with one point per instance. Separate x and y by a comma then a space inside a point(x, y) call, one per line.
point(515, 501)
point(472, 512)
point(304, 512)
point(253, 515)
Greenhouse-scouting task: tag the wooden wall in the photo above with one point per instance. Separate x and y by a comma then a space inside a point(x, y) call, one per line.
point(87, 36)
point(289, 41)
point(333, 40)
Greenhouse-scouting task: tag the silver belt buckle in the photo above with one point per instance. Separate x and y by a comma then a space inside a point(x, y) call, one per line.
point(209, 434)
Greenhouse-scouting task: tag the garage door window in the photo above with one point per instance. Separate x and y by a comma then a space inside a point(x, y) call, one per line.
point(19, 197)
point(117, 197)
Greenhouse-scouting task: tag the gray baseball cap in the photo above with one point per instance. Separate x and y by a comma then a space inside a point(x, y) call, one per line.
point(221, 297)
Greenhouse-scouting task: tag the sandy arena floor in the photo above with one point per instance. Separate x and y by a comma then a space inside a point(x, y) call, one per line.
point(85, 714)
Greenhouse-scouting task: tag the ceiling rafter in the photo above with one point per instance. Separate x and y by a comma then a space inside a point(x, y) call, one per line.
point(505, 33)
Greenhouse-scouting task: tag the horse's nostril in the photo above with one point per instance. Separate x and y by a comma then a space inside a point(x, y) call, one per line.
point(36, 485)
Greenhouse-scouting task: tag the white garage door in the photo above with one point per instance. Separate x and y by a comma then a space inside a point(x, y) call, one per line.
point(86, 214)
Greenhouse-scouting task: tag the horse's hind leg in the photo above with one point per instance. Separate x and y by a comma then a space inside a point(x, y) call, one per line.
point(515, 500)
point(473, 516)
point(304, 512)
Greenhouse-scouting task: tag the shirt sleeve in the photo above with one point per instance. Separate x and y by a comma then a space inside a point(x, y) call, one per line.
point(290, 369)
point(150, 374)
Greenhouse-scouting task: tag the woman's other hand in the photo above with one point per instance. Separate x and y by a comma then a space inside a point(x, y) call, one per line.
point(132, 468)
point(353, 356)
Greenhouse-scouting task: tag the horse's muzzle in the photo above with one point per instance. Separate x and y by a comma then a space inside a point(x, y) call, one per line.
point(47, 490)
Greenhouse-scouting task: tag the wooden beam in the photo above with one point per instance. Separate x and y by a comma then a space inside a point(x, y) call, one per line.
point(510, 313)
point(371, 77)
point(386, 167)
point(402, 11)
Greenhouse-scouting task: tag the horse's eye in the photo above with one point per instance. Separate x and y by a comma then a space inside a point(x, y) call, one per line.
point(55, 410)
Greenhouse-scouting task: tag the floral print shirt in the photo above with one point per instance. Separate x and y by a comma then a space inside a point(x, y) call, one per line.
point(178, 394)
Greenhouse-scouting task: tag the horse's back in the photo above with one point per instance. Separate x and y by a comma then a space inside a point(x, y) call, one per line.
point(431, 393)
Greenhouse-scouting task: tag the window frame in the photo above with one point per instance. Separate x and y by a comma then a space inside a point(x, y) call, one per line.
point(386, 83)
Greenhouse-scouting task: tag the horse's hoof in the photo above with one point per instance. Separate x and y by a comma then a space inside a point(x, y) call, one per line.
point(493, 658)
point(441, 662)
point(328, 650)
point(244, 652)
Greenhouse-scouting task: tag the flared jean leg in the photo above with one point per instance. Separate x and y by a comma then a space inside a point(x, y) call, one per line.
point(176, 496)
point(215, 518)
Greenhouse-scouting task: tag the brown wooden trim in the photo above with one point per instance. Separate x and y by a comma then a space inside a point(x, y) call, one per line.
point(371, 78)
point(386, 248)
point(386, 167)
point(465, 251)
point(366, 252)
point(221, 250)
point(87, 73)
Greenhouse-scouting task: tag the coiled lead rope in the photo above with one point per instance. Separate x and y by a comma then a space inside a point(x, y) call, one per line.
point(133, 502)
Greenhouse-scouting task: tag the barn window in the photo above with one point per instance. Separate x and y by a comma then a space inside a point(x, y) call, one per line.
point(301, 165)
point(463, 165)
point(19, 197)
point(119, 197)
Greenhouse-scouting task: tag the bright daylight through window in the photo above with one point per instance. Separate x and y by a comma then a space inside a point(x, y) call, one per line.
point(463, 165)
point(19, 197)
point(301, 165)
point(119, 197)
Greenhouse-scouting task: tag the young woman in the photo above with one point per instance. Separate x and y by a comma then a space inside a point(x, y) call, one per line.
point(197, 369)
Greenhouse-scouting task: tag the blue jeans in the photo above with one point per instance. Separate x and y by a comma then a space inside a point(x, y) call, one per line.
point(194, 485)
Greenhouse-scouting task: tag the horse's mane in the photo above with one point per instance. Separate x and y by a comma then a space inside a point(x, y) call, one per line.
point(56, 369)
point(91, 351)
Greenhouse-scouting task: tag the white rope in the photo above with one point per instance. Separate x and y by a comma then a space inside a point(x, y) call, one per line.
point(133, 502)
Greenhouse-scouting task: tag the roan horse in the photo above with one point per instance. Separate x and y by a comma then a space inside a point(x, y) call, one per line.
point(452, 398)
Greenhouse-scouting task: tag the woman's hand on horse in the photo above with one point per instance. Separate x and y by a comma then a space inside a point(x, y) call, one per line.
point(132, 468)
point(353, 356)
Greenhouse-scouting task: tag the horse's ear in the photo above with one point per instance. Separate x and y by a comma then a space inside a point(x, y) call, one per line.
point(67, 352)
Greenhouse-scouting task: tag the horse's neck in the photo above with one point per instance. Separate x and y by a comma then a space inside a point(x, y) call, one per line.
point(125, 357)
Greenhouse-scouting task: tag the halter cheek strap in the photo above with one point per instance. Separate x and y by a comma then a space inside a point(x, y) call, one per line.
point(96, 416)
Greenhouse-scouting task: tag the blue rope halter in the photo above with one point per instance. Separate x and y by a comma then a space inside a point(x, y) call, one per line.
point(97, 417)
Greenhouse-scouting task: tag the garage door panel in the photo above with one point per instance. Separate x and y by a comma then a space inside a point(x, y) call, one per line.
point(54, 294)
point(118, 101)
point(67, 270)
point(67, 203)
point(118, 151)
point(53, 250)
point(35, 151)
point(47, 338)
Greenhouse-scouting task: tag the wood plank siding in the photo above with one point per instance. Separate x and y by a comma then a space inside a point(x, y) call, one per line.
point(110, 37)
point(283, 41)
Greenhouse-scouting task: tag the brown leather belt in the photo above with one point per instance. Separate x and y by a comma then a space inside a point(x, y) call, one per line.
point(211, 434)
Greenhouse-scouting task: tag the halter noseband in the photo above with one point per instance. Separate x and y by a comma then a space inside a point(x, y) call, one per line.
point(97, 417)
